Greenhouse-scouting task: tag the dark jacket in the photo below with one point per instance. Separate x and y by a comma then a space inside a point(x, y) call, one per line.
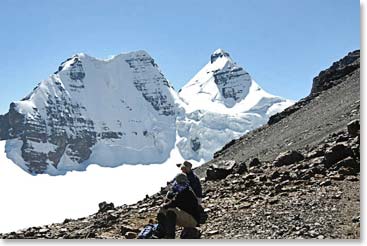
point(195, 184)
point(186, 201)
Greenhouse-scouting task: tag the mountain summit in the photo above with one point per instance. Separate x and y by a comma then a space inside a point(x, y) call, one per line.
point(219, 82)
point(123, 110)
point(222, 102)
point(120, 110)
point(222, 85)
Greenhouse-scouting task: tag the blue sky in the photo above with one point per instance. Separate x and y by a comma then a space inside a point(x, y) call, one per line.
point(283, 44)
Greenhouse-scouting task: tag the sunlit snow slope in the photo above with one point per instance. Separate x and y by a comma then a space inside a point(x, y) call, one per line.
point(123, 110)
point(222, 102)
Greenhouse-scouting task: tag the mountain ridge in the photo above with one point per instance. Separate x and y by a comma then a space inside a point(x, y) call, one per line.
point(122, 110)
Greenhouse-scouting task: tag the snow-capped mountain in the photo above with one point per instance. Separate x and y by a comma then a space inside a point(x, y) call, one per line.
point(222, 102)
point(120, 110)
point(124, 111)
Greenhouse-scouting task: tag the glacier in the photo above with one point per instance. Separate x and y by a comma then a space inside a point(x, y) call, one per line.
point(123, 110)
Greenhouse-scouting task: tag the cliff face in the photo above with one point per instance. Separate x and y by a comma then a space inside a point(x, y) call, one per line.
point(330, 77)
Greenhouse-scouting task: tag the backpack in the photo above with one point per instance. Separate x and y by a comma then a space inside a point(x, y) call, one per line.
point(150, 231)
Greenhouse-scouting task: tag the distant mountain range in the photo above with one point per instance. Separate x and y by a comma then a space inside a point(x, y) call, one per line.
point(124, 111)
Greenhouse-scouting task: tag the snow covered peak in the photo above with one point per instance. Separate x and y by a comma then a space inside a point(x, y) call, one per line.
point(220, 83)
point(219, 53)
point(222, 102)
point(112, 111)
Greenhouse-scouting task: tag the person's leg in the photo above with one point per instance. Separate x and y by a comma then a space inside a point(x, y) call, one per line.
point(161, 218)
point(170, 224)
point(183, 218)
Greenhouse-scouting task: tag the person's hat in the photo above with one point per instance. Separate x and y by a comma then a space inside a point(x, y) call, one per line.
point(185, 164)
point(181, 178)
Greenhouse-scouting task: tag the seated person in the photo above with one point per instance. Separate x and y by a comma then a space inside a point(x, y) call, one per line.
point(181, 210)
point(194, 180)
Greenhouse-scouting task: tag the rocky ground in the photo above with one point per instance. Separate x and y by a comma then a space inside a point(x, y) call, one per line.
point(297, 177)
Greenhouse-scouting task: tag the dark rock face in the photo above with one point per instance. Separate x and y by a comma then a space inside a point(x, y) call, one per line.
point(76, 75)
point(156, 97)
point(328, 78)
point(77, 71)
point(14, 122)
point(195, 144)
point(61, 115)
point(226, 81)
point(4, 127)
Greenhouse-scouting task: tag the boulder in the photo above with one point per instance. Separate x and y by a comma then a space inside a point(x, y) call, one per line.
point(275, 175)
point(220, 170)
point(325, 183)
point(337, 153)
point(288, 158)
point(104, 207)
point(353, 128)
point(349, 162)
point(254, 163)
point(240, 168)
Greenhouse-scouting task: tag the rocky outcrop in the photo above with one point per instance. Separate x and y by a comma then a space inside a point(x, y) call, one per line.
point(151, 89)
point(233, 82)
point(220, 170)
point(4, 129)
point(328, 78)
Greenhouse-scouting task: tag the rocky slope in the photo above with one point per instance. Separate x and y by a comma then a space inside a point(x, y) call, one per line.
point(298, 177)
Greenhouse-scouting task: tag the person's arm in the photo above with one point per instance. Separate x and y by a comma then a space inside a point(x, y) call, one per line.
point(172, 203)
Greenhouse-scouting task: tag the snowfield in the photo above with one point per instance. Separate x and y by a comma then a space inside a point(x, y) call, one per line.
point(28, 200)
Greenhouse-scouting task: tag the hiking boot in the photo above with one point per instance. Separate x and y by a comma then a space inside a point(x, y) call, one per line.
point(190, 233)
